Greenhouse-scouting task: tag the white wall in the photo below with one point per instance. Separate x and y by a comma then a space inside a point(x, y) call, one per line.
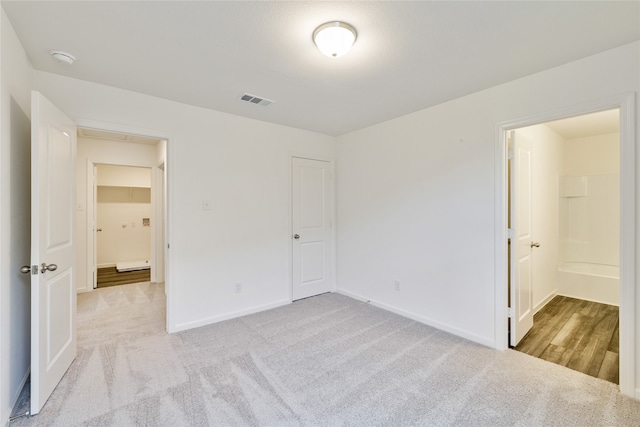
point(120, 214)
point(124, 176)
point(416, 195)
point(591, 220)
point(99, 151)
point(592, 155)
point(123, 200)
point(546, 165)
point(15, 147)
point(241, 166)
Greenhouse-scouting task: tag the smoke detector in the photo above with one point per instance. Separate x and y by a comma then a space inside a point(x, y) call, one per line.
point(64, 57)
point(256, 100)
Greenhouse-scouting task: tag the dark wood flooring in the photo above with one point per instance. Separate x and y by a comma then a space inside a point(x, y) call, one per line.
point(109, 276)
point(581, 335)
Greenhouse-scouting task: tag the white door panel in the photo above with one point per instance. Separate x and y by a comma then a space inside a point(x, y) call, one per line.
point(53, 289)
point(521, 223)
point(311, 220)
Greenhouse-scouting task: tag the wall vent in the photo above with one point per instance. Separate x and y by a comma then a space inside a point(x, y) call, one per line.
point(256, 100)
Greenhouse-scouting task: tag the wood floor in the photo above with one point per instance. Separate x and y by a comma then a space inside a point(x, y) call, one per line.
point(109, 276)
point(581, 335)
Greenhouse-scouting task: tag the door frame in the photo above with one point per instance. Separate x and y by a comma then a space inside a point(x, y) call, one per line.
point(332, 210)
point(625, 103)
point(168, 195)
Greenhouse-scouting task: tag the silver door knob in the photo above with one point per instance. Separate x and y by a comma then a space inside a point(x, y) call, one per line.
point(25, 269)
point(44, 267)
point(535, 244)
point(296, 236)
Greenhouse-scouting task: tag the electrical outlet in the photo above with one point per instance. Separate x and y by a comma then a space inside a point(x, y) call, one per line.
point(238, 287)
point(396, 283)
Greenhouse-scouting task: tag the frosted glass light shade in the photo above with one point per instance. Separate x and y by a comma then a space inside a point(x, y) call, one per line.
point(334, 38)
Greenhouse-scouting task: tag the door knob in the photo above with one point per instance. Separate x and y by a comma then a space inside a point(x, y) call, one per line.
point(535, 244)
point(99, 229)
point(296, 236)
point(44, 267)
point(25, 269)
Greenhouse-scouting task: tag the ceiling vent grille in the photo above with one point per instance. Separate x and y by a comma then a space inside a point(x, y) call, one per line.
point(256, 100)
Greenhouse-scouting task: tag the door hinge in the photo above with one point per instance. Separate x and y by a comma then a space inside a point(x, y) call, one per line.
point(509, 313)
point(510, 154)
point(510, 233)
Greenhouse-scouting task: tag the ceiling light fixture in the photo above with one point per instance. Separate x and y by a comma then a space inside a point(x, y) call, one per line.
point(64, 57)
point(334, 38)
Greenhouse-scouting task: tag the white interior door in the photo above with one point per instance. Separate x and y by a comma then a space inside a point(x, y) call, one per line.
point(312, 233)
point(53, 275)
point(521, 241)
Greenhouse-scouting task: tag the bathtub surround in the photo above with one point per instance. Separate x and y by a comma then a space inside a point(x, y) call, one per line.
point(327, 360)
point(592, 282)
point(589, 192)
point(581, 335)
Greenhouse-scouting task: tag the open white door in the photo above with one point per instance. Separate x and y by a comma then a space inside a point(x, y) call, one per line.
point(53, 275)
point(521, 241)
point(312, 233)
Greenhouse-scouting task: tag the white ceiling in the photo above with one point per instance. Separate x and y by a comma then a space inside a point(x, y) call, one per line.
point(408, 56)
point(600, 123)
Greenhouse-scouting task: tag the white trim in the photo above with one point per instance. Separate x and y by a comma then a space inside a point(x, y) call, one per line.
point(625, 102)
point(545, 301)
point(419, 318)
point(628, 174)
point(231, 315)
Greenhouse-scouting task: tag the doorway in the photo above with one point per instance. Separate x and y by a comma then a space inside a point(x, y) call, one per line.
point(125, 175)
point(123, 209)
point(564, 217)
point(312, 233)
point(627, 293)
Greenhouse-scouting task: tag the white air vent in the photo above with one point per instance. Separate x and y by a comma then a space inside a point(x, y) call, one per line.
point(256, 100)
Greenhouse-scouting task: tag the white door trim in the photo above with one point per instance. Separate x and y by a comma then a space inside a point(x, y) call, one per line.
point(625, 103)
point(332, 196)
point(168, 191)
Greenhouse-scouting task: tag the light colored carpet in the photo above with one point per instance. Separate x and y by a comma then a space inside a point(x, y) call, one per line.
point(327, 361)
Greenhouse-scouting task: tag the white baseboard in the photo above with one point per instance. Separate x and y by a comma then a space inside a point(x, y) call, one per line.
point(231, 315)
point(566, 294)
point(419, 318)
point(545, 301)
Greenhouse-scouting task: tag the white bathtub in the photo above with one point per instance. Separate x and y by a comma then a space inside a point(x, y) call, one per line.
point(593, 282)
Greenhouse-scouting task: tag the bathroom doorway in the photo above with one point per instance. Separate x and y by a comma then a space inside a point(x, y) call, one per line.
point(564, 258)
